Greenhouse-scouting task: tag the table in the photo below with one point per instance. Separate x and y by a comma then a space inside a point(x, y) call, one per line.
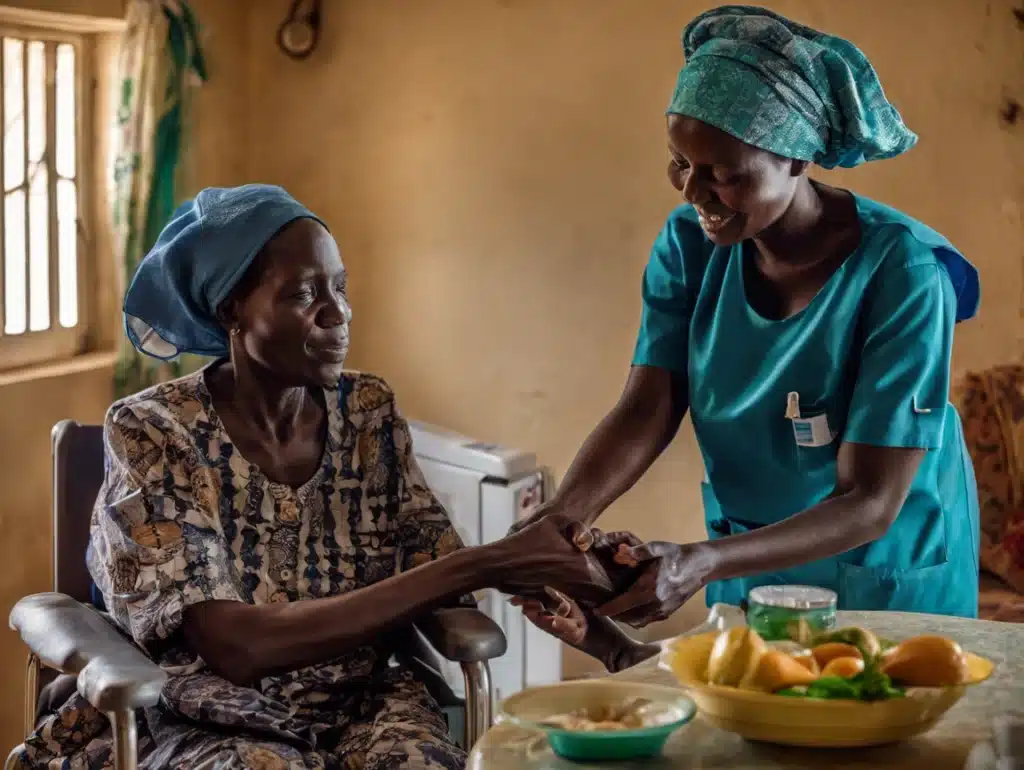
point(698, 745)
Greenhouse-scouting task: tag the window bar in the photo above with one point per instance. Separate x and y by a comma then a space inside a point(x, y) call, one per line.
point(3, 188)
point(50, 156)
point(83, 95)
point(26, 179)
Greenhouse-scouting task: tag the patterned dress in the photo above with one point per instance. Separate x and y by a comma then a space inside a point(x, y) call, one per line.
point(183, 518)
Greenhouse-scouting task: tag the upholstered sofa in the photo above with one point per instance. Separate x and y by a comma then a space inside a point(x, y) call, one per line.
point(991, 403)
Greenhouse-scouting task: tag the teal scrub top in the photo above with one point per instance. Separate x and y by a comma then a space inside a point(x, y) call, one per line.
point(868, 361)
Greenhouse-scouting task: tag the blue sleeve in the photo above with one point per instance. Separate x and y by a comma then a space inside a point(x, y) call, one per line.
point(902, 384)
point(668, 295)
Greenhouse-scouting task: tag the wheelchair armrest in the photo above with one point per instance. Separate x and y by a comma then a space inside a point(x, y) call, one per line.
point(463, 634)
point(66, 635)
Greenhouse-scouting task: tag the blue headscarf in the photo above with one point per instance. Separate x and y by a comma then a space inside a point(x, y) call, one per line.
point(786, 88)
point(201, 255)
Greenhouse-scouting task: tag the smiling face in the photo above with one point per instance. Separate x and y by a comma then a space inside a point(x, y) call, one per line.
point(291, 311)
point(739, 191)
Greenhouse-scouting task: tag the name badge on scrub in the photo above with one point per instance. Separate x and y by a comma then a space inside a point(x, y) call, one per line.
point(808, 431)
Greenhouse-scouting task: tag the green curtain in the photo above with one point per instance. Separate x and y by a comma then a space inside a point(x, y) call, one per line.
point(159, 66)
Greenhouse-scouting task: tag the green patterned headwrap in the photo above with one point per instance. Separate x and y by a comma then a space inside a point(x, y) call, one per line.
point(786, 88)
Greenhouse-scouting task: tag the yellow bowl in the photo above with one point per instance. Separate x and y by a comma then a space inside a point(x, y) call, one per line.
point(806, 722)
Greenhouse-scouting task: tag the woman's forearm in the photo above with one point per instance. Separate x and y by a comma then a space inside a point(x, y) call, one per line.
point(834, 526)
point(633, 654)
point(246, 642)
point(616, 649)
point(871, 487)
point(624, 444)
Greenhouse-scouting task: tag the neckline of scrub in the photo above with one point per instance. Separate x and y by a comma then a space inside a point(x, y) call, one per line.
point(737, 264)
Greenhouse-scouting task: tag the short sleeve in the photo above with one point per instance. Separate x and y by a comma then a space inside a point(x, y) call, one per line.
point(902, 383)
point(668, 292)
point(157, 546)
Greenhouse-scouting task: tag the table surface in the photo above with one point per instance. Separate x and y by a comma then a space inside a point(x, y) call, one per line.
point(699, 745)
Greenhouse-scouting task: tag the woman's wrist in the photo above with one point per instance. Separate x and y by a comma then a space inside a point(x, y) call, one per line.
point(607, 642)
point(575, 510)
point(707, 560)
point(633, 654)
point(499, 562)
point(467, 570)
point(628, 654)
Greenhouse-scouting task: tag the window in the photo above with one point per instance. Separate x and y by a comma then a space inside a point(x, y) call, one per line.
point(43, 259)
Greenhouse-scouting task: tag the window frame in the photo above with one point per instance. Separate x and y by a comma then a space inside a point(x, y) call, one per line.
point(57, 343)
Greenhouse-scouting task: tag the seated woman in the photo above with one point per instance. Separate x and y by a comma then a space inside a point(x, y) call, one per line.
point(263, 531)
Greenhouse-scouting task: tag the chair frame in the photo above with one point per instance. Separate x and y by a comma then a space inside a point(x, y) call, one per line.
point(65, 634)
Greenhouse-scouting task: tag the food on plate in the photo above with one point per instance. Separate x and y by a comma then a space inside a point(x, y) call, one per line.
point(775, 670)
point(800, 654)
point(829, 651)
point(855, 636)
point(846, 663)
point(735, 653)
point(787, 645)
point(869, 685)
point(632, 714)
point(806, 659)
point(926, 661)
point(845, 668)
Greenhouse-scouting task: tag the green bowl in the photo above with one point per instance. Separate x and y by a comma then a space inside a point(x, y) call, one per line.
point(529, 707)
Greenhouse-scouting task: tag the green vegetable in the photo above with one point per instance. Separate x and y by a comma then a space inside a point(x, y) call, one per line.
point(875, 685)
point(800, 691)
point(861, 638)
point(869, 685)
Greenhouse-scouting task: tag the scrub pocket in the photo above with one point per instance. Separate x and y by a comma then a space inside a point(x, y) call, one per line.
point(941, 589)
point(821, 456)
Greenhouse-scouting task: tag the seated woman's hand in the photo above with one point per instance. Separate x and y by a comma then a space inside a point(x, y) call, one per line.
point(556, 552)
point(556, 614)
point(564, 619)
point(670, 573)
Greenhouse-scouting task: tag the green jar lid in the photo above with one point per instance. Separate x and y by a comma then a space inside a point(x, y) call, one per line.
point(793, 597)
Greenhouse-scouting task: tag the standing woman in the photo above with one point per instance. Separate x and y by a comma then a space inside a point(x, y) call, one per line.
point(808, 331)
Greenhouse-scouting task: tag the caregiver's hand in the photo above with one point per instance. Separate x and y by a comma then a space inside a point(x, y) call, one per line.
point(543, 555)
point(672, 573)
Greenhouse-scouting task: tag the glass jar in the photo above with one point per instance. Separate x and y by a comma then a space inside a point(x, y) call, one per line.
point(792, 612)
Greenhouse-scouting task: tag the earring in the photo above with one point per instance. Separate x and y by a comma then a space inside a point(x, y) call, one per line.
point(234, 331)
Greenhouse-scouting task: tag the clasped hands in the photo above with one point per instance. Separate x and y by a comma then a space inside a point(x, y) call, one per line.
point(613, 575)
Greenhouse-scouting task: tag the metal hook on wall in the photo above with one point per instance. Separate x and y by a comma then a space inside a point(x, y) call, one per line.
point(299, 33)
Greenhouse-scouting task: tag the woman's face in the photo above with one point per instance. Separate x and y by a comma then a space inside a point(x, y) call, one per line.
point(738, 190)
point(293, 316)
